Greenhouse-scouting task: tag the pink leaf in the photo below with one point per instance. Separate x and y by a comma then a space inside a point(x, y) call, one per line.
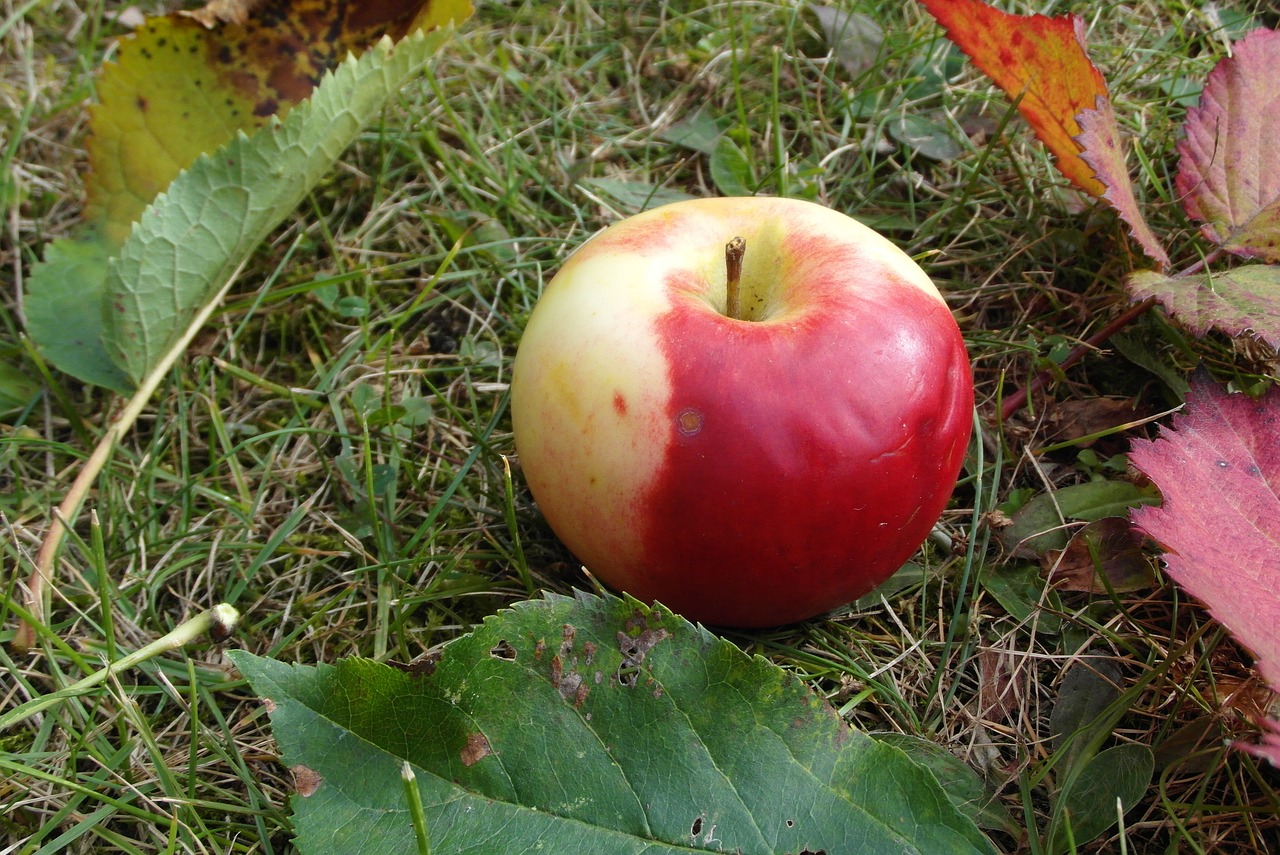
point(1218, 470)
point(1227, 175)
point(1099, 140)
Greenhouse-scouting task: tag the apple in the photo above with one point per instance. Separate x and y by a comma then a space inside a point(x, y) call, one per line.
point(752, 410)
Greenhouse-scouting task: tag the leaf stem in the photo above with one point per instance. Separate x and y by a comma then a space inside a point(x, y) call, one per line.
point(64, 516)
point(221, 617)
point(1019, 398)
point(1015, 402)
point(734, 250)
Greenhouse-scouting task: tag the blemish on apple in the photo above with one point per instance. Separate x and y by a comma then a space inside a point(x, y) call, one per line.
point(689, 422)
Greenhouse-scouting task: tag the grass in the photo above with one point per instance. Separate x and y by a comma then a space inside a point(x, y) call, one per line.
point(332, 458)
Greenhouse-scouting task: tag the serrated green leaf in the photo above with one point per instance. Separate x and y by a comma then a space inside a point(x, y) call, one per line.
point(195, 235)
point(592, 725)
point(64, 310)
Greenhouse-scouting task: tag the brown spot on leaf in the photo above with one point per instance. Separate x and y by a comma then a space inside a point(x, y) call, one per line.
point(269, 705)
point(634, 649)
point(476, 749)
point(306, 780)
point(503, 650)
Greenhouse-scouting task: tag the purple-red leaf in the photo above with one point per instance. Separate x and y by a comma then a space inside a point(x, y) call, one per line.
point(1243, 300)
point(1099, 140)
point(1228, 176)
point(1218, 470)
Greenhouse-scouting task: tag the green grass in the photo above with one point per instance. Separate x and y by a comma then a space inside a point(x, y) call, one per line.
point(332, 457)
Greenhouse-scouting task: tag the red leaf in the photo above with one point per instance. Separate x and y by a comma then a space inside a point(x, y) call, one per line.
point(1243, 300)
point(1040, 59)
point(1227, 175)
point(1218, 469)
point(1099, 140)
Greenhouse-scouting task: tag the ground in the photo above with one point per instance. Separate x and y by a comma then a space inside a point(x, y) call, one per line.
point(334, 455)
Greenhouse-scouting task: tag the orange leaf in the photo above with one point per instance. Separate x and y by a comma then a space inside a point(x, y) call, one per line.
point(1039, 60)
point(179, 88)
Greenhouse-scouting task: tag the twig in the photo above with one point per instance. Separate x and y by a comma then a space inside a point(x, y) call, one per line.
point(1015, 402)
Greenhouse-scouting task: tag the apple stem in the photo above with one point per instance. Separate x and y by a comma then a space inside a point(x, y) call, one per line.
point(733, 252)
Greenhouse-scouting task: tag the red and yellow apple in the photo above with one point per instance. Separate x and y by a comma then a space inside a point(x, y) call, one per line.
point(750, 432)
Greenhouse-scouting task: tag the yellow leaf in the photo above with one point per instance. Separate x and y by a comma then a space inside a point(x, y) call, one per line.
point(179, 88)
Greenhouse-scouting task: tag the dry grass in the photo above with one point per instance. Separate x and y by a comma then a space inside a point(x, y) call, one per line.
point(330, 458)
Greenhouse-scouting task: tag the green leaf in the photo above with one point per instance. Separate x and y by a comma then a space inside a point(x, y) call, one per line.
point(925, 136)
point(1021, 592)
point(17, 389)
point(64, 311)
point(699, 132)
point(1040, 525)
point(592, 725)
point(966, 789)
point(1120, 774)
point(195, 235)
point(1087, 689)
point(634, 196)
point(730, 169)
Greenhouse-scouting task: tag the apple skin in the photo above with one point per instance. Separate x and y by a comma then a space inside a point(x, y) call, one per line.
point(748, 472)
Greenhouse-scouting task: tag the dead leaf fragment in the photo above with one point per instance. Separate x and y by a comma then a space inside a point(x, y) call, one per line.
point(1080, 418)
point(1106, 550)
point(476, 749)
point(223, 12)
point(306, 781)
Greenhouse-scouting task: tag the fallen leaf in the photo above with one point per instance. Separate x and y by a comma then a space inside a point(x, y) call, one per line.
point(179, 88)
point(999, 689)
point(1040, 62)
point(1078, 419)
point(1101, 149)
point(855, 39)
point(672, 741)
point(1218, 469)
point(1239, 301)
point(1227, 176)
point(1107, 549)
point(1041, 524)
